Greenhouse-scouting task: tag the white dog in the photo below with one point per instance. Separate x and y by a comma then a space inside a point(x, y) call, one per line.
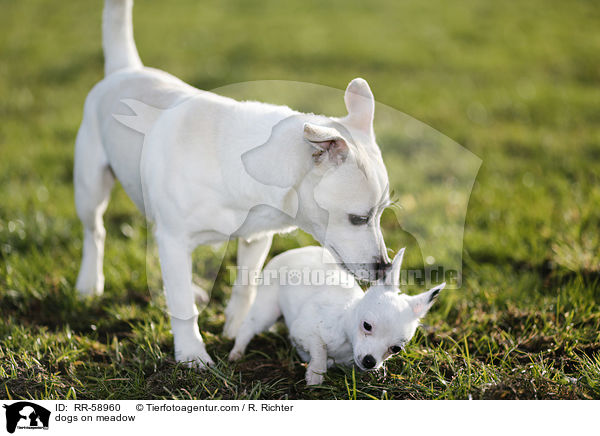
point(330, 323)
point(205, 168)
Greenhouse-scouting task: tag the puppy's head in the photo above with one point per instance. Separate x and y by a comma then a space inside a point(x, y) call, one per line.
point(347, 189)
point(386, 320)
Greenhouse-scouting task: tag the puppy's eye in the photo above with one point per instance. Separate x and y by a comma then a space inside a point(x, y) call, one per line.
point(395, 349)
point(357, 220)
point(367, 326)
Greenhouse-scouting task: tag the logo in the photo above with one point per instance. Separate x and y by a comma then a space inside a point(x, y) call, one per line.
point(26, 415)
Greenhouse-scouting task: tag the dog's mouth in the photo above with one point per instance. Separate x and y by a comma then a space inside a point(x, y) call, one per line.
point(339, 259)
point(347, 268)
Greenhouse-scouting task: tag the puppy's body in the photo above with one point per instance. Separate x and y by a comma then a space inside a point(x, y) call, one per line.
point(204, 168)
point(327, 323)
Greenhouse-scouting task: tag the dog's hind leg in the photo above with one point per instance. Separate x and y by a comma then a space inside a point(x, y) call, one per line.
point(262, 315)
point(251, 258)
point(93, 180)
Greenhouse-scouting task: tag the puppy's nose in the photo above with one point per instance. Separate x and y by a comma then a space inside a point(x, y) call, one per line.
point(369, 361)
point(381, 268)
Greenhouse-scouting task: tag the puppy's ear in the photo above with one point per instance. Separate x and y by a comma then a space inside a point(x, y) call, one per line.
point(327, 141)
point(392, 278)
point(420, 304)
point(360, 104)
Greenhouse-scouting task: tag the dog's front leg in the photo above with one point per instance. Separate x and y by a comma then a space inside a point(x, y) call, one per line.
point(251, 257)
point(317, 367)
point(176, 267)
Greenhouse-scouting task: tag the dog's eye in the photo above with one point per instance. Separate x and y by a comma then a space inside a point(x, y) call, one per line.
point(367, 326)
point(357, 220)
point(395, 349)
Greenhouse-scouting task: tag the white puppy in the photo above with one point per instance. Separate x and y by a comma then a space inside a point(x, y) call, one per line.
point(330, 323)
point(205, 168)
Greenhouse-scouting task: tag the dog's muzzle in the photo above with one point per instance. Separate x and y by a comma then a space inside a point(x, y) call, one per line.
point(369, 362)
point(364, 271)
point(381, 268)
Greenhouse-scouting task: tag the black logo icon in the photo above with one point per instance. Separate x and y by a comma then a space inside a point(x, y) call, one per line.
point(24, 414)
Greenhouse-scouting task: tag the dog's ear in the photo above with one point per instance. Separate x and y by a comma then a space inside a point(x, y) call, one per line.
point(392, 278)
point(279, 161)
point(360, 104)
point(327, 141)
point(420, 304)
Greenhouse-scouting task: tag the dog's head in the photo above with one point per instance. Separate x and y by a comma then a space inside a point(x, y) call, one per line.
point(333, 166)
point(350, 183)
point(385, 320)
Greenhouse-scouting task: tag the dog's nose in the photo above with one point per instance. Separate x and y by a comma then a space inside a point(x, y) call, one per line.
point(381, 268)
point(369, 361)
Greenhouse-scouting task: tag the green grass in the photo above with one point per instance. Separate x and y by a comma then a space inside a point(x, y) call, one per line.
point(516, 83)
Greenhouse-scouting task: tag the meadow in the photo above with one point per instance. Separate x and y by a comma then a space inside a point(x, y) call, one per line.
point(517, 84)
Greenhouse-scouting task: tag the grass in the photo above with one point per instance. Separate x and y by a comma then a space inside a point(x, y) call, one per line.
point(514, 83)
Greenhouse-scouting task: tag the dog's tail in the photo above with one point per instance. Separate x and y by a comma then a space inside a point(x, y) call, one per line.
point(117, 37)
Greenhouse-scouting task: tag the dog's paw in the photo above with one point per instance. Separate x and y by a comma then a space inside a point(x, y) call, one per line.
point(235, 355)
point(198, 361)
point(89, 282)
point(313, 378)
point(87, 291)
point(189, 346)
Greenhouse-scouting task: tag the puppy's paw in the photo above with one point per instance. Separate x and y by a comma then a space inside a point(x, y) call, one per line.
point(235, 355)
point(313, 378)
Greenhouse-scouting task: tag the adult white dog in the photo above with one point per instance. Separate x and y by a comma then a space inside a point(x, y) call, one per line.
point(205, 168)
